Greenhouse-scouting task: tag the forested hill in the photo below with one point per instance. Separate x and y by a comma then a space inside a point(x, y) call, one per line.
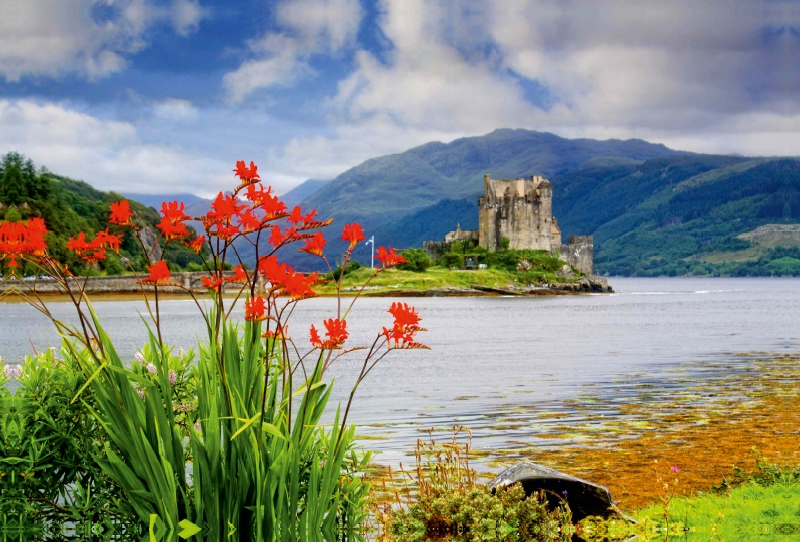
point(69, 207)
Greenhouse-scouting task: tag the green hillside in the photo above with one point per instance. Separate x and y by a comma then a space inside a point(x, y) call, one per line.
point(695, 225)
point(69, 207)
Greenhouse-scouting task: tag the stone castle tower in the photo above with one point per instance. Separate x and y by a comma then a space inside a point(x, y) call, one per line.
point(520, 210)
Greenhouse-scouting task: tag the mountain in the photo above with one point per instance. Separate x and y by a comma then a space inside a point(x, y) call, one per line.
point(381, 190)
point(302, 191)
point(652, 211)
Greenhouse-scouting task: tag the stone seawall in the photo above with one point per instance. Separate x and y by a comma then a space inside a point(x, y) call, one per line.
point(120, 284)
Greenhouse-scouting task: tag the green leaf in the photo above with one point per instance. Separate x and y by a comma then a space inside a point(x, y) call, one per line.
point(89, 381)
point(250, 422)
point(189, 528)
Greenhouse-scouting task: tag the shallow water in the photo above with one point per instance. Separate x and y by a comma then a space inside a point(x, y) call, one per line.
point(498, 363)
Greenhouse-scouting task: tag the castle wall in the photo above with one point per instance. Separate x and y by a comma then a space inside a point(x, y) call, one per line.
point(579, 252)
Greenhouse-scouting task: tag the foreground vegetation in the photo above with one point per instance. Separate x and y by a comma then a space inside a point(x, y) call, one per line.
point(223, 443)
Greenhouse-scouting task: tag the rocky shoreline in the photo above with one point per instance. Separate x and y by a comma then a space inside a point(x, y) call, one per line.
point(590, 285)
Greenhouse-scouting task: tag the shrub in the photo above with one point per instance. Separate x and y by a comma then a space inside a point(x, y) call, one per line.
point(451, 505)
point(417, 260)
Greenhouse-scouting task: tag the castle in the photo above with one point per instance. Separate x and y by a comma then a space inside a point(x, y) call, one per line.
point(521, 211)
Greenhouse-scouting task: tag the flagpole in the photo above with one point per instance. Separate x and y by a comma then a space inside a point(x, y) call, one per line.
point(371, 241)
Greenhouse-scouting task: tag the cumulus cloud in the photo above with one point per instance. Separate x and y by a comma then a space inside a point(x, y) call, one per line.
point(281, 58)
point(105, 153)
point(88, 37)
point(706, 77)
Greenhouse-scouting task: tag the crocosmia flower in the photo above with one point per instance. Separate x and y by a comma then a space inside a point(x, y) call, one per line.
point(335, 330)
point(388, 258)
point(239, 275)
point(353, 233)
point(246, 174)
point(406, 324)
point(211, 283)
point(255, 309)
point(120, 213)
point(159, 274)
point(315, 245)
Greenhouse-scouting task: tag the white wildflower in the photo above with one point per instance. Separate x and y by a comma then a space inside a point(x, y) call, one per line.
point(151, 368)
point(180, 353)
point(139, 357)
point(12, 370)
point(173, 378)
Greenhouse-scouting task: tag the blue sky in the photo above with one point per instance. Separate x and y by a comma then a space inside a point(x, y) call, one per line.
point(163, 96)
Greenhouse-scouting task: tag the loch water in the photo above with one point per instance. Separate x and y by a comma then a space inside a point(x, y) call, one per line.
point(501, 357)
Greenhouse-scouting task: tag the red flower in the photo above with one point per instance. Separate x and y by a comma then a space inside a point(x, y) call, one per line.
point(315, 340)
point(254, 309)
point(121, 213)
point(223, 209)
point(406, 324)
point(96, 256)
point(247, 221)
point(298, 286)
point(241, 170)
point(108, 240)
point(247, 175)
point(174, 211)
point(18, 238)
point(173, 230)
point(315, 245)
point(336, 331)
point(353, 233)
point(388, 258)
point(296, 216)
point(196, 244)
point(211, 283)
point(273, 207)
point(276, 237)
point(256, 193)
point(269, 267)
point(404, 315)
point(280, 332)
point(35, 231)
point(78, 245)
point(159, 274)
point(171, 224)
point(239, 276)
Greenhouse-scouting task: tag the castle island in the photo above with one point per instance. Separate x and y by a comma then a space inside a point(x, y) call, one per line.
point(520, 210)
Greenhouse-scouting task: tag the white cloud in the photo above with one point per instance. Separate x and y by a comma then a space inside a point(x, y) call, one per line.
point(107, 154)
point(281, 58)
point(88, 37)
point(175, 109)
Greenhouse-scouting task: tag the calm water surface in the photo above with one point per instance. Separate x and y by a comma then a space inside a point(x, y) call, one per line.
point(496, 357)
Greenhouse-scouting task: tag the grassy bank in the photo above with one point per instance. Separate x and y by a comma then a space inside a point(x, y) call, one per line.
point(438, 278)
point(752, 511)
